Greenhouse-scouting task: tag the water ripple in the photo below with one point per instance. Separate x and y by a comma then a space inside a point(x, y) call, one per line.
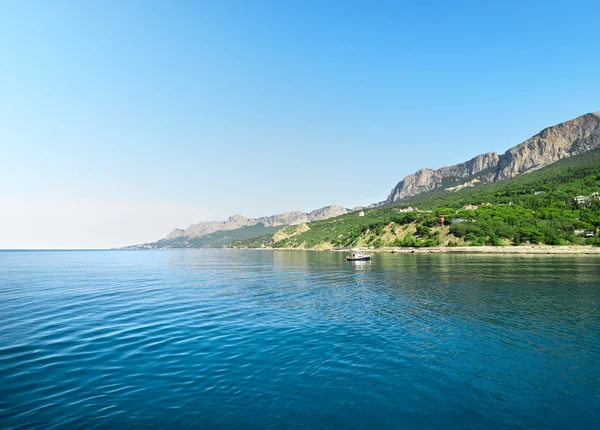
point(244, 339)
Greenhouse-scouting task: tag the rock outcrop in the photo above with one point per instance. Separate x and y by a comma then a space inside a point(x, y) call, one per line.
point(428, 179)
point(175, 233)
point(551, 144)
point(326, 213)
point(467, 184)
point(287, 232)
point(238, 221)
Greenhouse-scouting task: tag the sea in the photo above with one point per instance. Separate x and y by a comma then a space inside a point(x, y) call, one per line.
point(239, 339)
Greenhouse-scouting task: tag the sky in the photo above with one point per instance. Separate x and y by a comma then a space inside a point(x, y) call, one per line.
point(122, 120)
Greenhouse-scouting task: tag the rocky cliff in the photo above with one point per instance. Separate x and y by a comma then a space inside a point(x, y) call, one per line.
point(428, 179)
point(238, 221)
point(551, 144)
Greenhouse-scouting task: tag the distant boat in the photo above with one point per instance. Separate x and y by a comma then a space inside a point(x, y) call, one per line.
point(358, 256)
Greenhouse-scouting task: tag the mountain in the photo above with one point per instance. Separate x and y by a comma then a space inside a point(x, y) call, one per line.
point(235, 222)
point(216, 234)
point(550, 145)
point(428, 179)
point(569, 138)
point(560, 155)
point(556, 205)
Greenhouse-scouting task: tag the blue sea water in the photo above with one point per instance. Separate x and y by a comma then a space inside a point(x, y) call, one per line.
point(254, 340)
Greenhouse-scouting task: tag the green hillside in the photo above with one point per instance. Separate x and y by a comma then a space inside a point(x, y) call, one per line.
point(535, 208)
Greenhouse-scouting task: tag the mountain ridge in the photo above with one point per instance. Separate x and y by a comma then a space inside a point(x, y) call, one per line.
point(553, 143)
point(237, 221)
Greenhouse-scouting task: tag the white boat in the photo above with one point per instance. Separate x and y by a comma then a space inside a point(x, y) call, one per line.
point(358, 256)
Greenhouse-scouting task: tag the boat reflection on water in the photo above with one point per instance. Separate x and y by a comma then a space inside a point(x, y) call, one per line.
point(361, 265)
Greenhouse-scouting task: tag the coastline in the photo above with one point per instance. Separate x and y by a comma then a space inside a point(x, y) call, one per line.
point(557, 250)
point(523, 250)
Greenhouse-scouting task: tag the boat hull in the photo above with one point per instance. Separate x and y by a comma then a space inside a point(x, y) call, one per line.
point(358, 258)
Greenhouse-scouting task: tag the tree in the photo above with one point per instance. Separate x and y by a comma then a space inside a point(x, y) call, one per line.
point(423, 231)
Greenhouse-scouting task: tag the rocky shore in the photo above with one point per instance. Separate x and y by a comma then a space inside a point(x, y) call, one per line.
point(524, 250)
point(491, 250)
point(496, 250)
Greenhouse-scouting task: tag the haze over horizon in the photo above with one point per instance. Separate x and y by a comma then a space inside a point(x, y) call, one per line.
point(122, 121)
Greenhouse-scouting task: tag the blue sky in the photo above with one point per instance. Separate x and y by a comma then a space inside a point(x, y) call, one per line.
point(120, 121)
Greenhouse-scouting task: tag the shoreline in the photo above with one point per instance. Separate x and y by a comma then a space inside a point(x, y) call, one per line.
point(524, 250)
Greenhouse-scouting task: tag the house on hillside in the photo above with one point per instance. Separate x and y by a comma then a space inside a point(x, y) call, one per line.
point(361, 213)
point(406, 210)
point(470, 207)
point(596, 195)
point(584, 233)
point(582, 200)
point(458, 220)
